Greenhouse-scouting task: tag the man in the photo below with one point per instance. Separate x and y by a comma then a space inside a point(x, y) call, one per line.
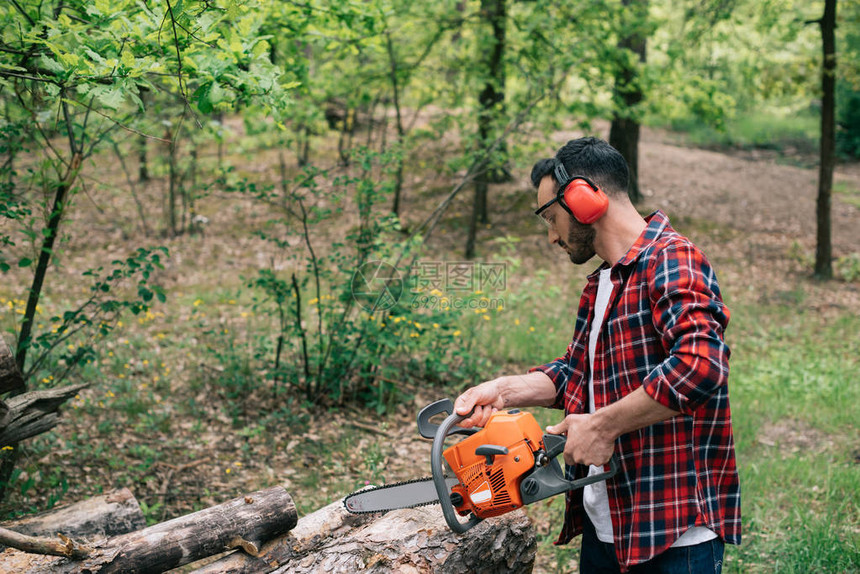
point(644, 378)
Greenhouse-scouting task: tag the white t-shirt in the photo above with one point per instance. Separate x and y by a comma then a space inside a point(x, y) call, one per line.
point(595, 497)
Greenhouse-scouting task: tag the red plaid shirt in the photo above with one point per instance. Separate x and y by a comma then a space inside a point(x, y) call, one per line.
point(663, 331)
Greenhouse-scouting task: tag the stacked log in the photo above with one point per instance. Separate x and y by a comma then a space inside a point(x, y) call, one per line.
point(245, 522)
point(111, 514)
point(263, 534)
point(408, 541)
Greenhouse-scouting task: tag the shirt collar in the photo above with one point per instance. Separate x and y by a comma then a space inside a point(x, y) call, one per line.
point(657, 223)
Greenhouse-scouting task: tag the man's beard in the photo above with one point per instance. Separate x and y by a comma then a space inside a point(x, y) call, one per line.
point(580, 242)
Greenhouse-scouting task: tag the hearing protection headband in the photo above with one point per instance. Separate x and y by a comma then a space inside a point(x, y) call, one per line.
point(563, 181)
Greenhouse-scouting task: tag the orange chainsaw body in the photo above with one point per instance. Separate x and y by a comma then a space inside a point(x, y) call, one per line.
point(490, 484)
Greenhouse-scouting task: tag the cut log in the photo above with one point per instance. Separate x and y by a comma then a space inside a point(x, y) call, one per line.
point(111, 514)
point(33, 413)
point(311, 530)
point(411, 540)
point(254, 518)
point(10, 376)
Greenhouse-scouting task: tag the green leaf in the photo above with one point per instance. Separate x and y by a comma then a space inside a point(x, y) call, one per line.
point(110, 97)
point(25, 262)
point(51, 65)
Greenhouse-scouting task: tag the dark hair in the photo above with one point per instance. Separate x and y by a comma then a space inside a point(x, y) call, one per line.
point(541, 169)
point(595, 159)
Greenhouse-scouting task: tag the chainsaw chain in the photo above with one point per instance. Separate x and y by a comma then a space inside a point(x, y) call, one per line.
point(385, 486)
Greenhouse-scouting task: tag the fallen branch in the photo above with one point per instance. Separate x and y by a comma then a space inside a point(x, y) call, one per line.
point(36, 545)
point(34, 413)
point(369, 428)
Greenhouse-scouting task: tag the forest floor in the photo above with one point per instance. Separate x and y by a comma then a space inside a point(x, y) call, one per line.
point(752, 214)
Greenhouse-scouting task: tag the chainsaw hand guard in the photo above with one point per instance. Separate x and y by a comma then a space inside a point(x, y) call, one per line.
point(428, 429)
point(439, 477)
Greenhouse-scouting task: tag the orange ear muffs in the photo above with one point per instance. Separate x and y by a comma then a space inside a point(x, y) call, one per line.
point(580, 196)
point(585, 201)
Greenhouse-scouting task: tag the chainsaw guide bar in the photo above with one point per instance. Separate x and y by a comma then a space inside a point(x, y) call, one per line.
point(394, 496)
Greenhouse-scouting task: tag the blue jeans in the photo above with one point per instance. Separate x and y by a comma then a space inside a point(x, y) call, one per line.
point(599, 557)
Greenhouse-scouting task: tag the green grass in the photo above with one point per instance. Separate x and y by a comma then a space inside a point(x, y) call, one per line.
point(770, 130)
point(847, 193)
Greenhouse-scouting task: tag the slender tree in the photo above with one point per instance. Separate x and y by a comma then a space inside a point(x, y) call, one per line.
point(627, 91)
point(491, 105)
point(824, 248)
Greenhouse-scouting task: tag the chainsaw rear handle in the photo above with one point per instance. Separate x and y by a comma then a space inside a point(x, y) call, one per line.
point(447, 427)
point(549, 480)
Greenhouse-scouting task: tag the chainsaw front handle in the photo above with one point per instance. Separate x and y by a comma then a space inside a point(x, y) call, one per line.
point(428, 429)
point(447, 427)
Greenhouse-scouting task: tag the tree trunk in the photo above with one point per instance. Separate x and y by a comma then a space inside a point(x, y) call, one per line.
point(824, 249)
point(474, 217)
point(111, 514)
point(410, 540)
point(45, 253)
point(142, 165)
point(491, 106)
point(244, 522)
point(627, 92)
point(401, 132)
point(492, 96)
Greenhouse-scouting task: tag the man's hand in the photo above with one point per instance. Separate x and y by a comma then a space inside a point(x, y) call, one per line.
point(585, 444)
point(486, 399)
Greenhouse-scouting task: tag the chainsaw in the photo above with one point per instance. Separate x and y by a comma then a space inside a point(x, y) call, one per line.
point(496, 469)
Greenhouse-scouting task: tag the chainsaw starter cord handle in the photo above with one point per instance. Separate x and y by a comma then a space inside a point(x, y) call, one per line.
point(439, 476)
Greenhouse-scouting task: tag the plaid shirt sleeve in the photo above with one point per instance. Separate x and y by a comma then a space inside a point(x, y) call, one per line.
point(691, 318)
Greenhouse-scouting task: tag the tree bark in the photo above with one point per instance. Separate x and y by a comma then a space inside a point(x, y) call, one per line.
point(410, 540)
point(627, 92)
point(824, 248)
point(10, 374)
point(33, 413)
point(111, 514)
point(244, 522)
